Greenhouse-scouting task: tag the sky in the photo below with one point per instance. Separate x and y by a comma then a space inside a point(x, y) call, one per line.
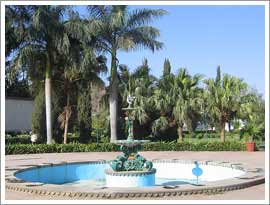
point(200, 38)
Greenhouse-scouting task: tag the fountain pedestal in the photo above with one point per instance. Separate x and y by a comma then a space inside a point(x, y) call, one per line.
point(130, 178)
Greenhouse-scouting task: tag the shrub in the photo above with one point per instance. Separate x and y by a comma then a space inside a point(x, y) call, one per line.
point(26, 139)
point(109, 147)
point(18, 139)
point(195, 146)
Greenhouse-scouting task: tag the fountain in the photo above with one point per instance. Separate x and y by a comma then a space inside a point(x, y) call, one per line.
point(130, 169)
point(125, 175)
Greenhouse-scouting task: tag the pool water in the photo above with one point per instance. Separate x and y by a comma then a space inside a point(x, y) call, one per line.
point(93, 175)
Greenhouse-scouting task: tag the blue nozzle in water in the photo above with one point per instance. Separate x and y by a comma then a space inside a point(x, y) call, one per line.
point(197, 171)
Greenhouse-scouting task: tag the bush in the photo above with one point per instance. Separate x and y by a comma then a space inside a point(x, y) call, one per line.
point(73, 138)
point(109, 147)
point(59, 148)
point(195, 146)
point(26, 139)
point(18, 139)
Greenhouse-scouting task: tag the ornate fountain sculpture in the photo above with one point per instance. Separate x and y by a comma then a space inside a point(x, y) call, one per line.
point(130, 165)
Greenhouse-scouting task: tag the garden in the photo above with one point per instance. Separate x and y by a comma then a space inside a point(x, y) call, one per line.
point(57, 57)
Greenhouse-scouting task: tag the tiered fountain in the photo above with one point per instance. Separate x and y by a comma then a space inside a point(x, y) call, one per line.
point(130, 169)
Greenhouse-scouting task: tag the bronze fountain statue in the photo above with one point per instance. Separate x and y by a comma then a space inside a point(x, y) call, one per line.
point(130, 160)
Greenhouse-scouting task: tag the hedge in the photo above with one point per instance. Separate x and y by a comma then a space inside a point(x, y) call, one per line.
point(109, 147)
point(18, 139)
point(26, 139)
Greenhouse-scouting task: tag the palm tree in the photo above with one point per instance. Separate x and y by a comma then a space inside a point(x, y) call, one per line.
point(44, 37)
point(16, 20)
point(176, 98)
point(139, 83)
point(81, 69)
point(186, 98)
point(162, 100)
point(84, 71)
point(252, 113)
point(117, 28)
point(225, 96)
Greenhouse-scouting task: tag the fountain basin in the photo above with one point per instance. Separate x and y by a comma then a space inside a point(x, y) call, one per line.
point(130, 178)
point(92, 174)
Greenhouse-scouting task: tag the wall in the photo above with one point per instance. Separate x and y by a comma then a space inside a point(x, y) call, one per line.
point(18, 114)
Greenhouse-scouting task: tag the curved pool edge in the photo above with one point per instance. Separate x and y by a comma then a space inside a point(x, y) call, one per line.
point(130, 193)
point(251, 178)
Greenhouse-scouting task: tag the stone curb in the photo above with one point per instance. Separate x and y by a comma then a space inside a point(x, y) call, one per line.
point(152, 194)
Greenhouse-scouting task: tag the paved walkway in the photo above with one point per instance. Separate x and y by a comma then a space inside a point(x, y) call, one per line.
point(253, 159)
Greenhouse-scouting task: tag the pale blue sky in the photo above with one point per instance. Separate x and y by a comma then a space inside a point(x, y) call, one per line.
point(202, 37)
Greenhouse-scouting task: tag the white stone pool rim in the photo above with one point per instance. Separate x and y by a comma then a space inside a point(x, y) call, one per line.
point(250, 178)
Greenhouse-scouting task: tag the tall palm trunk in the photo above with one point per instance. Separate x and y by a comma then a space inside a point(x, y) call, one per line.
point(48, 102)
point(222, 131)
point(67, 119)
point(113, 98)
point(180, 133)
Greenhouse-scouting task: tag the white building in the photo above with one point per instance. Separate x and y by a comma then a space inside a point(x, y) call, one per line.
point(18, 113)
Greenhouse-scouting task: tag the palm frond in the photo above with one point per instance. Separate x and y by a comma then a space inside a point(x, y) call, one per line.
point(143, 17)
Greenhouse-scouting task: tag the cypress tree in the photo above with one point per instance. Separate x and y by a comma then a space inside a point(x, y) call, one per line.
point(84, 108)
point(166, 67)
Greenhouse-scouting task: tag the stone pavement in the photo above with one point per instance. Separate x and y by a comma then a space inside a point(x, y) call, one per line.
point(252, 159)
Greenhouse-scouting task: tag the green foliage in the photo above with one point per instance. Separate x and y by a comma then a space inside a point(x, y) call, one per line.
point(118, 28)
point(166, 67)
point(195, 146)
point(159, 125)
point(252, 130)
point(16, 21)
point(60, 148)
point(18, 139)
point(253, 113)
point(227, 97)
point(16, 87)
point(109, 147)
point(39, 116)
point(140, 84)
point(40, 38)
point(177, 99)
point(100, 126)
point(84, 114)
point(26, 139)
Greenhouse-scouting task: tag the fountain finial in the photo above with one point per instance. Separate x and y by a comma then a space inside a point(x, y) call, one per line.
point(130, 100)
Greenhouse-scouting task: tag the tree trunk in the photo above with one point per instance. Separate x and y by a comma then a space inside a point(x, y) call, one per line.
point(48, 99)
point(222, 131)
point(66, 120)
point(180, 133)
point(113, 98)
point(48, 102)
